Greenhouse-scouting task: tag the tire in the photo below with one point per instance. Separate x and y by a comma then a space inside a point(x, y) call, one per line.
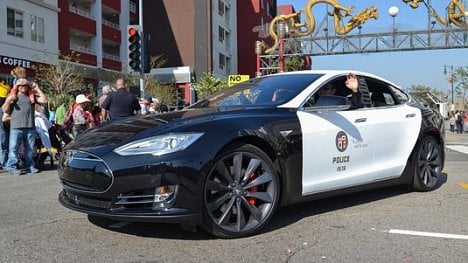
point(427, 165)
point(244, 179)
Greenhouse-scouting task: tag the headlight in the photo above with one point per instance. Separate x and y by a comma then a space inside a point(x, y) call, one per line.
point(159, 145)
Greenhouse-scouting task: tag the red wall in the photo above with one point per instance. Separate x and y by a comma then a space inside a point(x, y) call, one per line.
point(248, 16)
point(71, 20)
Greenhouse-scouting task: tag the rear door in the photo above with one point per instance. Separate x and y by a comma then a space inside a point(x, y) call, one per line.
point(397, 128)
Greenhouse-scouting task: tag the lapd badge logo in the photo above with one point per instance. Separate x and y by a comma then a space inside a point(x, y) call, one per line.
point(341, 141)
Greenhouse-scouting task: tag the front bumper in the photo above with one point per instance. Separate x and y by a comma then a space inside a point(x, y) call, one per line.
point(101, 207)
point(124, 188)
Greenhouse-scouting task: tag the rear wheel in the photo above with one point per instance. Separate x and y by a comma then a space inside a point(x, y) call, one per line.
point(241, 192)
point(427, 165)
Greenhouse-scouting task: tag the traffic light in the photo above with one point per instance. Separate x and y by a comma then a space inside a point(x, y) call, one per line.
point(134, 47)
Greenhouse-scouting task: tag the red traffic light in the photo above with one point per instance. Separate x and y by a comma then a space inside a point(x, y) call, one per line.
point(132, 31)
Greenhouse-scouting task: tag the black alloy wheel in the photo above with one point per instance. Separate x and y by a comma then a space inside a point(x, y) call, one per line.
point(428, 165)
point(241, 192)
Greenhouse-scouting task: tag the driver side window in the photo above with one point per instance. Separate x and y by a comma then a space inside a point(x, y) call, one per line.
point(333, 93)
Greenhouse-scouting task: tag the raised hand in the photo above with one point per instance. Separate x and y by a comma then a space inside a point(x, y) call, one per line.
point(352, 82)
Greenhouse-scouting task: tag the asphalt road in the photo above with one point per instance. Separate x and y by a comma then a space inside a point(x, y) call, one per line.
point(362, 227)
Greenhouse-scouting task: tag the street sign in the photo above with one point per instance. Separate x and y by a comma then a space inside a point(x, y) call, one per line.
point(236, 79)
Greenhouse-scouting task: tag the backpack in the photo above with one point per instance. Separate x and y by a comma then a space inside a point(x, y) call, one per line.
point(459, 117)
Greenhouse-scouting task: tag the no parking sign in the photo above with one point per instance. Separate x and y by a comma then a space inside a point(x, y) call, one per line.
point(236, 79)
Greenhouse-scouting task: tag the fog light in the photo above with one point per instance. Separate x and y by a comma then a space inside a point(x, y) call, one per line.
point(164, 196)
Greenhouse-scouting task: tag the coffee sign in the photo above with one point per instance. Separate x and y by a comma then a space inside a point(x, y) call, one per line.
point(15, 62)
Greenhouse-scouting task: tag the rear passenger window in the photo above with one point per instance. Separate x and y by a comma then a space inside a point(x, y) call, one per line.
point(388, 99)
point(399, 95)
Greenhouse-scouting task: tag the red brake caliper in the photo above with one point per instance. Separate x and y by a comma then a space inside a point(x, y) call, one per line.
point(252, 200)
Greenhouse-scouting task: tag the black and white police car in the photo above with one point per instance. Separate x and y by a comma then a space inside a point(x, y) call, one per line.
point(228, 162)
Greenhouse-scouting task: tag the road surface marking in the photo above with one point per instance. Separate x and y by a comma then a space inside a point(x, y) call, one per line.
point(427, 234)
point(464, 185)
point(119, 224)
point(458, 148)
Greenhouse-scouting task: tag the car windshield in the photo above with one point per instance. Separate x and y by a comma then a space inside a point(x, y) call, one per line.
point(265, 91)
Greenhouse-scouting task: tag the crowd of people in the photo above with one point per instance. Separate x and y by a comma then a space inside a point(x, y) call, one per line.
point(31, 126)
point(457, 121)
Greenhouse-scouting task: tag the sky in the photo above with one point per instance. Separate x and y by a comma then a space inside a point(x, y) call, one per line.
point(403, 68)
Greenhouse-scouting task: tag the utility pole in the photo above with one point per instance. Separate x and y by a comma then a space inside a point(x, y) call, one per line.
point(142, 54)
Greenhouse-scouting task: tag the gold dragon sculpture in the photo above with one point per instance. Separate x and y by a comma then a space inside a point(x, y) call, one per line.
point(306, 28)
point(456, 13)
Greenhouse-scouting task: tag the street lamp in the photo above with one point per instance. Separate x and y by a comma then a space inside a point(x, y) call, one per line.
point(449, 78)
point(393, 12)
point(281, 33)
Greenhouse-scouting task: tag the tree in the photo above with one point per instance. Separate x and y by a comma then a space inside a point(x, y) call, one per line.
point(62, 80)
point(294, 63)
point(209, 84)
point(442, 96)
point(460, 80)
point(165, 93)
point(62, 77)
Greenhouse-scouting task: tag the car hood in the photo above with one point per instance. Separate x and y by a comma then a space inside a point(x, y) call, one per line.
point(114, 134)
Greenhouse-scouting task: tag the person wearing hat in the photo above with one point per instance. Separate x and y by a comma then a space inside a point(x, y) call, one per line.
point(80, 124)
point(22, 127)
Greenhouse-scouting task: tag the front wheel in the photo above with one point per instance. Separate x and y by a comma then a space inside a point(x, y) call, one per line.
point(241, 192)
point(427, 165)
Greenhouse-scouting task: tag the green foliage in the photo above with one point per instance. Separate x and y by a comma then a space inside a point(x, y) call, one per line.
point(62, 78)
point(294, 63)
point(421, 88)
point(56, 99)
point(460, 80)
point(209, 84)
point(165, 93)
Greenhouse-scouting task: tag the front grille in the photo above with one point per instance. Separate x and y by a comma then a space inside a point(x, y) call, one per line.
point(85, 172)
point(136, 199)
point(82, 200)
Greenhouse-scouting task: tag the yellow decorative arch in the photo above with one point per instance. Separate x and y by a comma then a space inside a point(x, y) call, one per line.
point(304, 29)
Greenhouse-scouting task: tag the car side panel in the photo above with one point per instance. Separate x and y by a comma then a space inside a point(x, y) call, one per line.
point(397, 130)
point(326, 166)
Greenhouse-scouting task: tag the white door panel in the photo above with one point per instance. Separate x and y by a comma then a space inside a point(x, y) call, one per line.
point(325, 167)
point(396, 133)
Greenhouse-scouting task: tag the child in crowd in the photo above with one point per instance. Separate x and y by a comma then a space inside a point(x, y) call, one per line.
point(18, 73)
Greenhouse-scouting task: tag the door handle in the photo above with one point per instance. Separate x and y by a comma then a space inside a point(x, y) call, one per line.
point(411, 115)
point(360, 120)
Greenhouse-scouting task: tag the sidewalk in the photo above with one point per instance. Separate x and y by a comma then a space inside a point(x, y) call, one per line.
point(458, 139)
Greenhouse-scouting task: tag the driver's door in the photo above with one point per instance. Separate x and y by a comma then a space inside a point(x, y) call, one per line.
point(337, 148)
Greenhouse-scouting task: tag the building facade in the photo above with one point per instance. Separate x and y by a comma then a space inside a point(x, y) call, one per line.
point(206, 35)
point(252, 25)
point(96, 30)
point(200, 34)
point(28, 36)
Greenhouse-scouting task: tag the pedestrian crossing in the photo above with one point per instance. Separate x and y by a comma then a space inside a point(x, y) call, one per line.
point(458, 148)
